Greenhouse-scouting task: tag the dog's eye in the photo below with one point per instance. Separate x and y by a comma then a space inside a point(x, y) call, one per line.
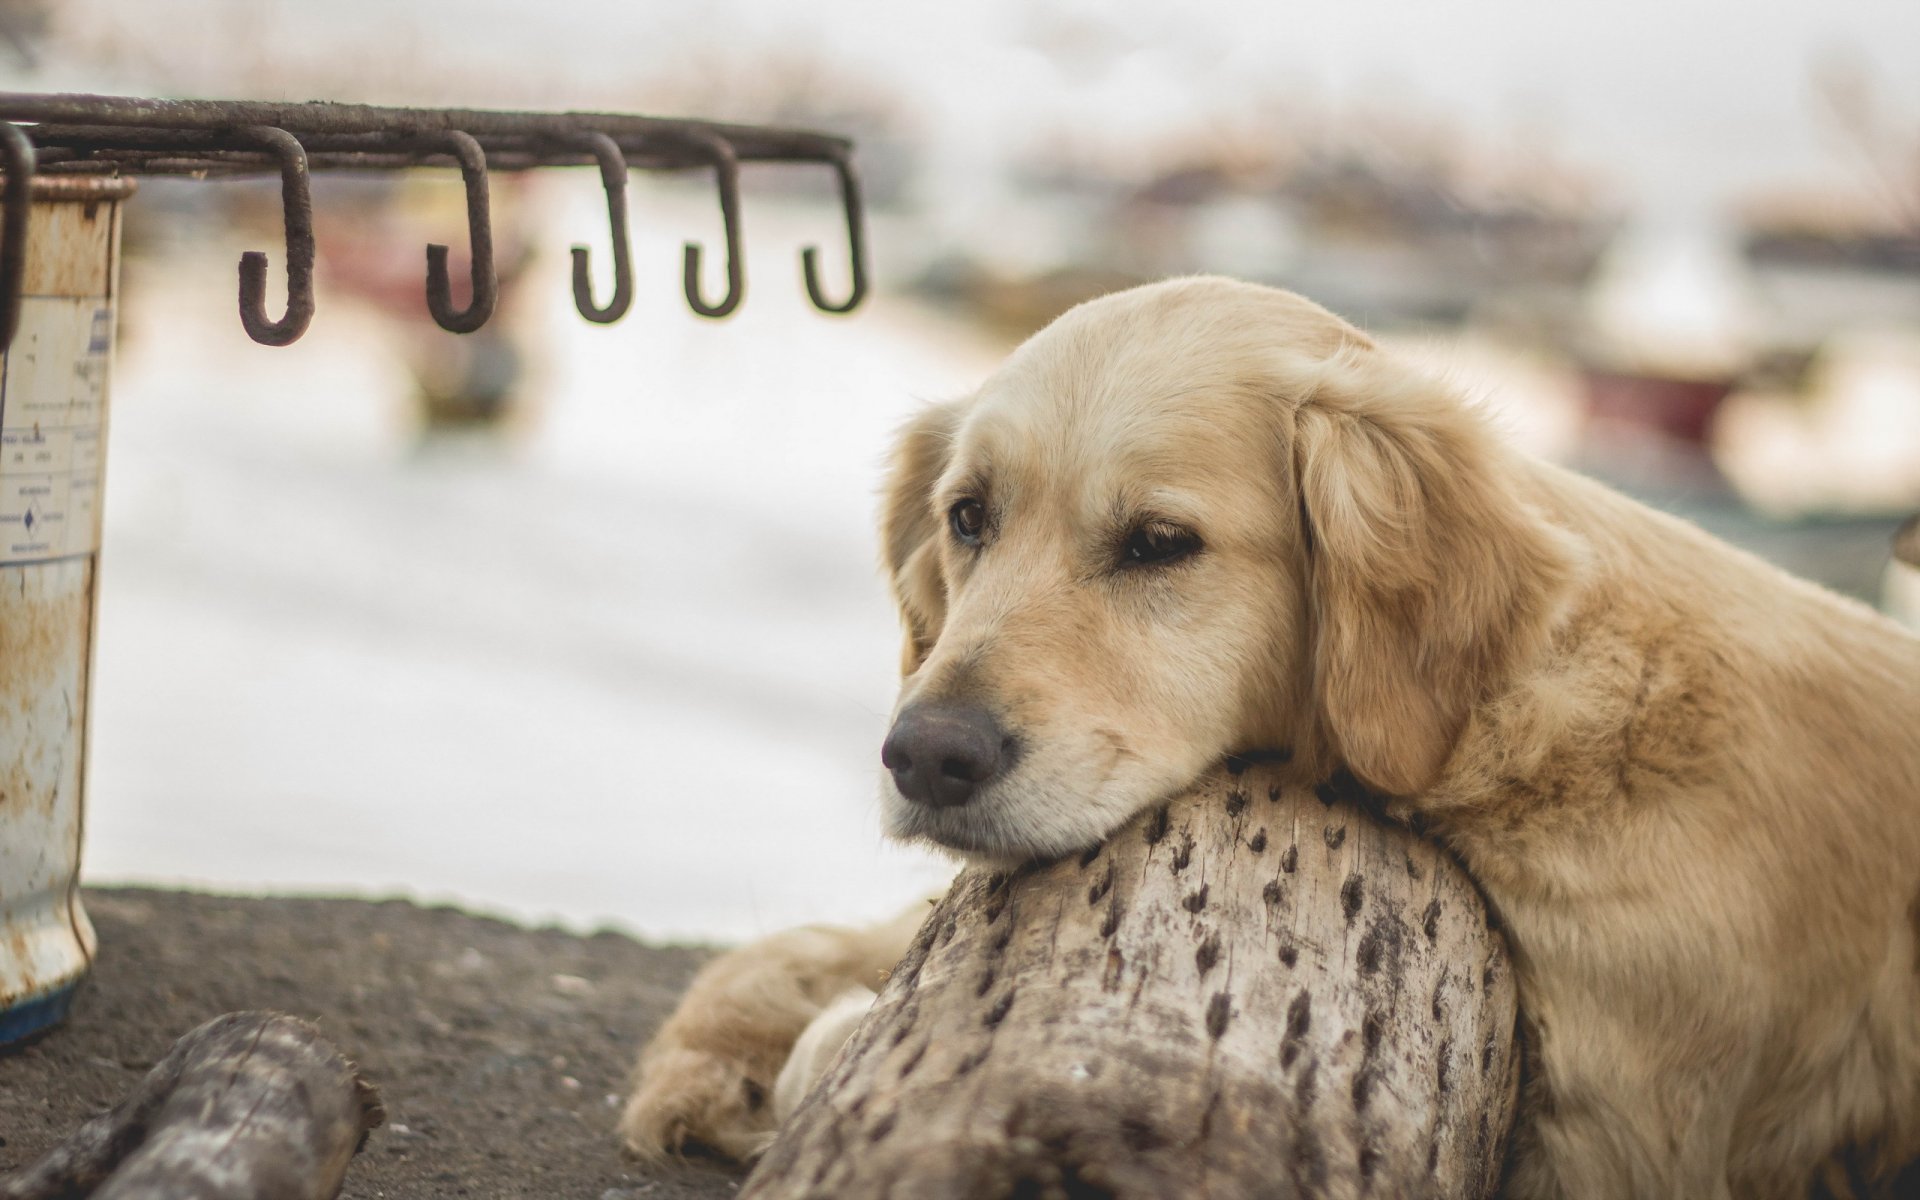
point(968, 519)
point(1153, 545)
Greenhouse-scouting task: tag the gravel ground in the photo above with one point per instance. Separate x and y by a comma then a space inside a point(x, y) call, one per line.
point(500, 1051)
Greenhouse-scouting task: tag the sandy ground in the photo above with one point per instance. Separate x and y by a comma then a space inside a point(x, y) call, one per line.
point(500, 1051)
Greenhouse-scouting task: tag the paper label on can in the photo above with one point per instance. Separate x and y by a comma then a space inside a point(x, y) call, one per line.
point(53, 411)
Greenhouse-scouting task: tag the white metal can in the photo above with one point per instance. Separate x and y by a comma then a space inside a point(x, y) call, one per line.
point(53, 423)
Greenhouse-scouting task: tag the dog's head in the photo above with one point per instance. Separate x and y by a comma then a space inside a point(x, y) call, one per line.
point(1186, 520)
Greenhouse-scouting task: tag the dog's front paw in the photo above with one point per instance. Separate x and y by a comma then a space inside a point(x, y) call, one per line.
point(706, 1081)
point(689, 1101)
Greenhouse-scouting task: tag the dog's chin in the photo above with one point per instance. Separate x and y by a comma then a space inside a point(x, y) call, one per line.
point(1012, 823)
point(975, 834)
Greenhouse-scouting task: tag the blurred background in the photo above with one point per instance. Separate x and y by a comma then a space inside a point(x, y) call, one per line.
point(583, 623)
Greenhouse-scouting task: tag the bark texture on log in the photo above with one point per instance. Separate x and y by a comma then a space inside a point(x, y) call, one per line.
point(1255, 991)
point(249, 1106)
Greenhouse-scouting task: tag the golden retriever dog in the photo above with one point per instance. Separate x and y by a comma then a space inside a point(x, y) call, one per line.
point(1204, 517)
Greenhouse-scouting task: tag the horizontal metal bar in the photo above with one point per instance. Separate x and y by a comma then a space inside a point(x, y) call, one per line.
point(750, 142)
point(74, 147)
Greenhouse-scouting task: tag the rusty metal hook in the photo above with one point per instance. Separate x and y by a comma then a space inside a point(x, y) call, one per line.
point(486, 283)
point(613, 179)
point(296, 204)
point(856, 242)
point(17, 158)
point(726, 173)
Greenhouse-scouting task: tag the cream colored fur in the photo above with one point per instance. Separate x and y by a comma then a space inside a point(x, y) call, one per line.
point(1688, 784)
point(708, 1079)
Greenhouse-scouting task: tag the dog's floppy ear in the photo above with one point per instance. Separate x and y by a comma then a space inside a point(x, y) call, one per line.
point(1428, 575)
point(910, 529)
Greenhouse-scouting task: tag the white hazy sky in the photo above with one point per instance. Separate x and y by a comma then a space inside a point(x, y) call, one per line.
point(1684, 101)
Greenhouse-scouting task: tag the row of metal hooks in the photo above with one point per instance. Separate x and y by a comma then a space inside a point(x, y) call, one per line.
point(290, 156)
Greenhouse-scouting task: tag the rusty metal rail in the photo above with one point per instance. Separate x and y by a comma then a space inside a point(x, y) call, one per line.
point(119, 135)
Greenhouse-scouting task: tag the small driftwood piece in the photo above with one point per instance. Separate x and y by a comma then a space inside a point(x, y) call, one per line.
point(249, 1106)
point(1255, 991)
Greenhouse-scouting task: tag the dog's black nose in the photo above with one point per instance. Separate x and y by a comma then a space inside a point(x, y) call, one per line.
point(940, 754)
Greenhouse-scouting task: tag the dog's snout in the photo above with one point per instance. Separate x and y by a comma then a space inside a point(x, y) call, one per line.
point(940, 754)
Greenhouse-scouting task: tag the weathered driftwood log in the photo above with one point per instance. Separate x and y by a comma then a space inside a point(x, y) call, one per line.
point(249, 1106)
point(1255, 991)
